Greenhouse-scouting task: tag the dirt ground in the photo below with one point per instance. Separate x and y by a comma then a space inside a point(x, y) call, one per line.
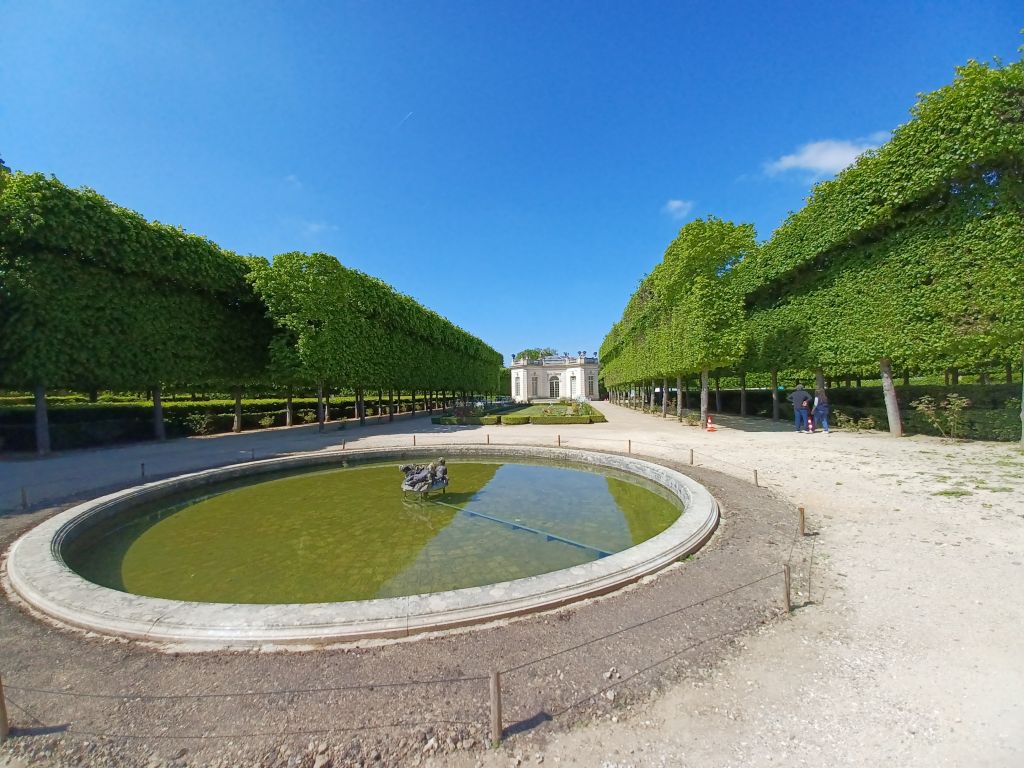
point(904, 648)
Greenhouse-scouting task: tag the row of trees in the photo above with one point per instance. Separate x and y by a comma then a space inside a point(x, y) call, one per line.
point(93, 296)
point(911, 259)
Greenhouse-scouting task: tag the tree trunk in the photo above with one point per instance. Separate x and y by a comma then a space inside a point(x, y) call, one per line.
point(947, 377)
point(906, 378)
point(391, 405)
point(718, 394)
point(94, 394)
point(42, 421)
point(414, 404)
point(954, 377)
point(327, 404)
point(159, 431)
point(819, 378)
point(320, 406)
point(743, 393)
point(237, 426)
point(686, 393)
point(664, 398)
point(849, 381)
point(289, 409)
point(1009, 374)
point(704, 398)
point(679, 397)
point(1022, 398)
point(360, 407)
point(983, 377)
point(652, 396)
point(892, 406)
point(858, 381)
point(775, 394)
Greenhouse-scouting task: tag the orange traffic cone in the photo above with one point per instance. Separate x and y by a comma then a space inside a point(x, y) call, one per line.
point(711, 426)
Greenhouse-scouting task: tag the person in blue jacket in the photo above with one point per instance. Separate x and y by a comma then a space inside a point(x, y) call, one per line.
point(821, 409)
point(801, 400)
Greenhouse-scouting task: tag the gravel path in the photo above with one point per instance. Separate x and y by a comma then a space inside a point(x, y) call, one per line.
point(906, 650)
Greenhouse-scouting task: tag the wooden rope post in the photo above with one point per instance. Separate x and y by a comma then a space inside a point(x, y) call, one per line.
point(803, 522)
point(786, 601)
point(488, 438)
point(343, 445)
point(414, 441)
point(755, 478)
point(559, 441)
point(5, 726)
point(629, 446)
point(142, 469)
point(495, 709)
point(24, 498)
point(691, 457)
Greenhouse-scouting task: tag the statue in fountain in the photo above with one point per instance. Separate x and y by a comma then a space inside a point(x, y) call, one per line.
point(423, 479)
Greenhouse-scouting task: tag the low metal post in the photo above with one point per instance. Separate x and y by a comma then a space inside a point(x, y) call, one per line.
point(142, 467)
point(786, 600)
point(5, 726)
point(495, 709)
point(343, 445)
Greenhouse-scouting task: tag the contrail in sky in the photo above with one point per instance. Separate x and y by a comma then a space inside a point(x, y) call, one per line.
point(402, 122)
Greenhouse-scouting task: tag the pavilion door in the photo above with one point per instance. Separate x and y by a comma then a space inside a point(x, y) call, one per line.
point(554, 386)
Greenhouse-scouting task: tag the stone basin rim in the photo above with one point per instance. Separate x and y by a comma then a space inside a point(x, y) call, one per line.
point(36, 572)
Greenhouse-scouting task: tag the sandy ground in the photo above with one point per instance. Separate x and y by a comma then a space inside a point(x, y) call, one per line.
point(911, 652)
point(908, 650)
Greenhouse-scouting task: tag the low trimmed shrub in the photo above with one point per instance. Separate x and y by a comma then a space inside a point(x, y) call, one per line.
point(512, 419)
point(559, 419)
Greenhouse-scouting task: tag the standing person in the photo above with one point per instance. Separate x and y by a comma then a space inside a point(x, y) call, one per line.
point(821, 408)
point(801, 400)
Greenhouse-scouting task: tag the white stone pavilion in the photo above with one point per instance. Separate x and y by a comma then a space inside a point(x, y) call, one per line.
point(555, 377)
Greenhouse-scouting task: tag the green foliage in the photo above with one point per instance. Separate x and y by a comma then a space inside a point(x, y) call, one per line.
point(914, 254)
point(93, 295)
point(268, 421)
point(558, 419)
point(513, 419)
point(339, 325)
point(535, 353)
point(686, 315)
point(199, 423)
point(946, 416)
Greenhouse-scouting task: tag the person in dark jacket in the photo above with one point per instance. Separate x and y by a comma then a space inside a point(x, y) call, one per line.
point(821, 409)
point(801, 400)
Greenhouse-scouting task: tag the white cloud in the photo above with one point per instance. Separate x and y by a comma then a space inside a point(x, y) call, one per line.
point(824, 158)
point(678, 209)
point(315, 228)
point(293, 181)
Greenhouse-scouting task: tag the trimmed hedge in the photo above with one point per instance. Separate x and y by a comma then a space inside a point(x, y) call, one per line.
point(560, 419)
point(512, 419)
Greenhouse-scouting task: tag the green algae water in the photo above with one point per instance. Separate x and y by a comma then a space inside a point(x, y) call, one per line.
point(348, 533)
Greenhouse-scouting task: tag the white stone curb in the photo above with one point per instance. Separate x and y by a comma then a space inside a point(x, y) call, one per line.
point(38, 574)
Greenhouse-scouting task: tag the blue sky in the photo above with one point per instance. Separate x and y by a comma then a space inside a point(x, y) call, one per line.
point(517, 167)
